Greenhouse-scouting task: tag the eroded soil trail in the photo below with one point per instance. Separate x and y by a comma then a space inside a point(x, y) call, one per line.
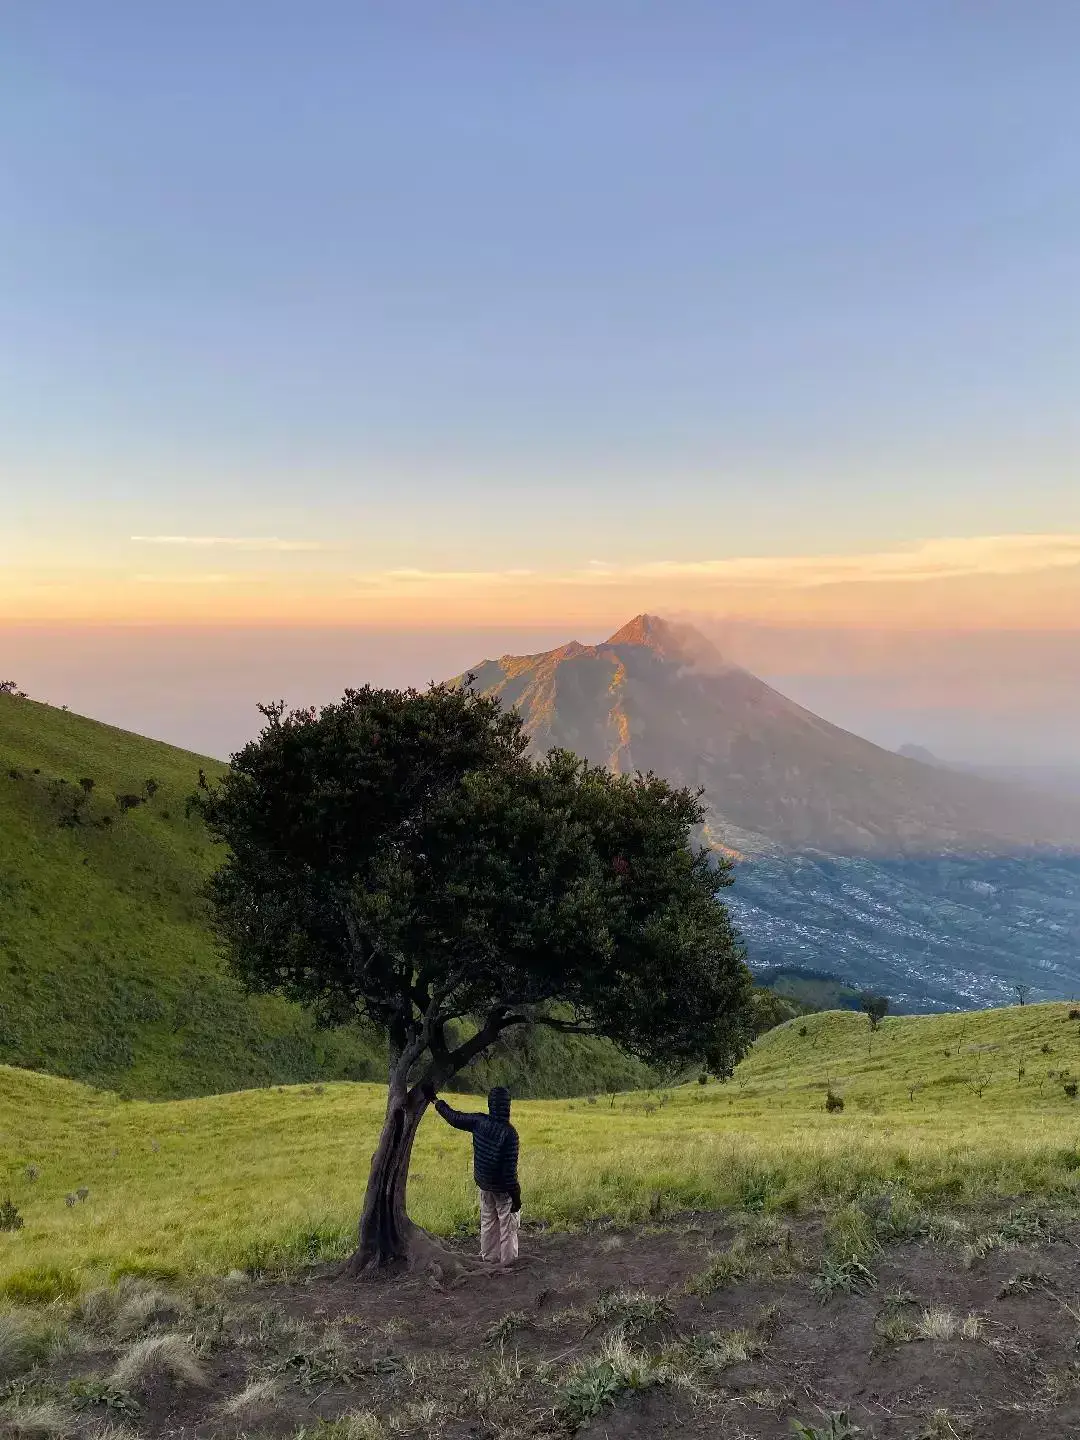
point(713, 1327)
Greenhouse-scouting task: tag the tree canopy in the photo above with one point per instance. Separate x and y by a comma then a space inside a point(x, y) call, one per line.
point(399, 855)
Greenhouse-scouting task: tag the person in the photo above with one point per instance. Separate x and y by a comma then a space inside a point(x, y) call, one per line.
point(495, 1157)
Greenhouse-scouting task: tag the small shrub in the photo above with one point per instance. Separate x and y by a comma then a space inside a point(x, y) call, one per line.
point(803, 1032)
point(848, 1277)
point(1074, 1014)
point(594, 1384)
point(87, 1393)
point(500, 1330)
point(1070, 1088)
point(833, 1102)
point(10, 1219)
point(835, 1425)
point(1025, 1282)
point(633, 1309)
point(86, 784)
point(876, 1007)
point(1047, 1049)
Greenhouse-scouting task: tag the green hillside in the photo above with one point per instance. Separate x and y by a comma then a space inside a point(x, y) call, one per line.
point(941, 1109)
point(108, 972)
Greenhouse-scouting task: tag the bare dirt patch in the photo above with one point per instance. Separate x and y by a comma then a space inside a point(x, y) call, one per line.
point(715, 1326)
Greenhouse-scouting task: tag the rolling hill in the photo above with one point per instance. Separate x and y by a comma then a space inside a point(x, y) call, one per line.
point(942, 888)
point(972, 1106)
point(108, 970)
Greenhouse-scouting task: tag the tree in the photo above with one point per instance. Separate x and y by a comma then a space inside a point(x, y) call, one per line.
point(875, 1006)
point(398, 856)
point(1022, 992)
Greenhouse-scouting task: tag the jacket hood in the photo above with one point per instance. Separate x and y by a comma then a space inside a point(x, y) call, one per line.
point(499, 1103)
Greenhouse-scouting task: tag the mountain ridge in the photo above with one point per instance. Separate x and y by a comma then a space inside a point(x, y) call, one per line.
point(658, 695)
point(943, 890)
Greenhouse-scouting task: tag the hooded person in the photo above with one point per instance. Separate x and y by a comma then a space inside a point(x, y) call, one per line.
point(495, 1157)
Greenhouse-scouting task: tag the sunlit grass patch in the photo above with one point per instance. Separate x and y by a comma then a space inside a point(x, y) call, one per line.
point(270, 1180)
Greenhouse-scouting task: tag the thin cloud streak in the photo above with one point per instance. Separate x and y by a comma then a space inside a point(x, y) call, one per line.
point(940, 559)
point(231, 542)
point(198, 579)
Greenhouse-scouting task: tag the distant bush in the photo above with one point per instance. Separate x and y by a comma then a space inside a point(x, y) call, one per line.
point(1070, 1088)
point(876, 1007)
point(11, 1220)
point(129, 802)
point(1074, 1014)
point(86, 784)
point(833, 1102)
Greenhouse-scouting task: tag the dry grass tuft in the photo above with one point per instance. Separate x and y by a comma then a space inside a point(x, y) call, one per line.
point(255, 1402)
point(16, 1350)
point(360, 1425)
point(936, 1323)
point(168, 1358)
point(44, 1421)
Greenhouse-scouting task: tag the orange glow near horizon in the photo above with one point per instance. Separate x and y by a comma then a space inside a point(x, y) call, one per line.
point(1011, 582)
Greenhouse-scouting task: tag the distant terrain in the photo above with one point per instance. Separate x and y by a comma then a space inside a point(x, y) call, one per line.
point(943, 888)
point(1059, 780)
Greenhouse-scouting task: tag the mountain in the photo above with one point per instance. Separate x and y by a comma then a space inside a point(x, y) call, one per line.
point(942, 888)
point(659, 696)
point(108, 970)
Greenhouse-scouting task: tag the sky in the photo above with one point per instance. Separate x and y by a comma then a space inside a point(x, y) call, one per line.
point(447, 324)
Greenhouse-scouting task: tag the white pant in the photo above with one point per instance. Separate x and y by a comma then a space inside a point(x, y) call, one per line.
point(498, 1228)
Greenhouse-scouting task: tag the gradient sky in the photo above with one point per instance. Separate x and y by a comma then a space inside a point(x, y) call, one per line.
point(493, 288)
point(443, 315)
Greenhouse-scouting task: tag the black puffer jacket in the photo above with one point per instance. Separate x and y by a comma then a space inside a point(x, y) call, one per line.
point(494, 1139)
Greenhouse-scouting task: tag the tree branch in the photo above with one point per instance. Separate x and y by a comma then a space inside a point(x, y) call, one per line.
point(564, 1027)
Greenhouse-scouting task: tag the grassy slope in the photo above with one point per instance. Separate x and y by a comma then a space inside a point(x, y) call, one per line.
point(269, 1175)
point(107, 970)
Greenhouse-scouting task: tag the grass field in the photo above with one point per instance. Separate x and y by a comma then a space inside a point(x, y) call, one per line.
point(949, 1107)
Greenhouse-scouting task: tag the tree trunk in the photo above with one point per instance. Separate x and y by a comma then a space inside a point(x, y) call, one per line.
point(386, 1231)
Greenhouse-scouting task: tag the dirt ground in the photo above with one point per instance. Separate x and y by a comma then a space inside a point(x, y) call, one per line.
point(705, 1327)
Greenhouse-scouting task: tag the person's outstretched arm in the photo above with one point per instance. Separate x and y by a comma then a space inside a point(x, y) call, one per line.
point(460, 1119)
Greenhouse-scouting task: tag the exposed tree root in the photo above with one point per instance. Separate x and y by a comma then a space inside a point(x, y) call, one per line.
point(445, 1269)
